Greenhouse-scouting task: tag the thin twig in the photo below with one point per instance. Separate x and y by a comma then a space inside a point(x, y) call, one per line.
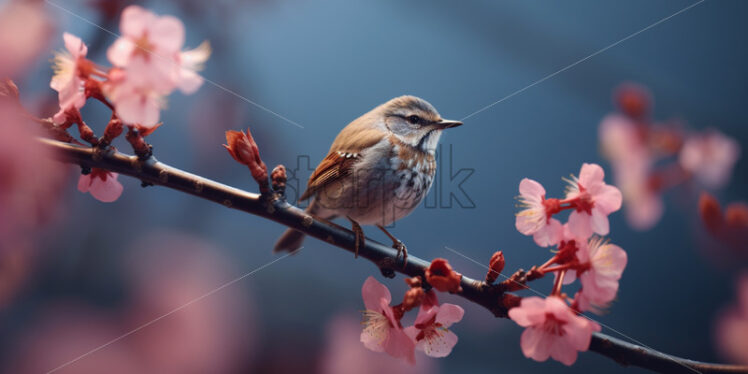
point(383, 256)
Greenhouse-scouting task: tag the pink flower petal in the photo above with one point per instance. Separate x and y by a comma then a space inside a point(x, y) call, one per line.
point(580, 225)
point(438, 346)
point(608, 199)
point(373, 292)
point(549, 235)
point(168, 34)
point(449, 314)
point(426, 314)
point(84, 183)
point(577, 333)
point(590, 175)
point(74, 45)
point(398, 344)
point(106, 191)
point(137, 109)
point(530, 312)
point(536, 343)
point(531, 189)
point(610, 260)
point(120, 52)
point(134, 21)
point(599, 222)
point(189, 81)
point(563, 353)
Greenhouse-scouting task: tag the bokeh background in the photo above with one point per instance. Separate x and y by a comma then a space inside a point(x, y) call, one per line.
point(100, 270)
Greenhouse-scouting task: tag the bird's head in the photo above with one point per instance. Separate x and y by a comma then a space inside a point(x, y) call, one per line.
point(415, 121)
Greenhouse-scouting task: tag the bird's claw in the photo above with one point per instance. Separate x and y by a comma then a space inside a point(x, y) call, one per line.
point(401, 248)
point(359, 237)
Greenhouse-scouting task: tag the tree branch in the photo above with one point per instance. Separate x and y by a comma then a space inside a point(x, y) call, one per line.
point(277, 209)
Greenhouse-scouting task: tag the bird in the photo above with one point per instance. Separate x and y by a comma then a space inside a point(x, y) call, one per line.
point(377, 171)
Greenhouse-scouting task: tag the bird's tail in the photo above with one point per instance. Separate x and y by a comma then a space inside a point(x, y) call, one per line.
point(292, 239)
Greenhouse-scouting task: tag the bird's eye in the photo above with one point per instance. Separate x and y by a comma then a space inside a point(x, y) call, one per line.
point(414, 119)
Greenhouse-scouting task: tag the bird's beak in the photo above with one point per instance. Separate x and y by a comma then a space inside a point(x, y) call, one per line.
point(446, 124)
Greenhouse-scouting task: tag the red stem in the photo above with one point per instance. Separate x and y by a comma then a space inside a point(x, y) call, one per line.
point(559, 283)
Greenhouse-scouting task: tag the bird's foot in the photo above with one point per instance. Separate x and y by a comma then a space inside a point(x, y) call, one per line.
point(359, 236)
point(398, 245)
point(401, 248)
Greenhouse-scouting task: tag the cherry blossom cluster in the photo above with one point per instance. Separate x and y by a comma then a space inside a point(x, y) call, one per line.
point(650, 157)
point(382, 324)
point(148, 65)
point(554, 326)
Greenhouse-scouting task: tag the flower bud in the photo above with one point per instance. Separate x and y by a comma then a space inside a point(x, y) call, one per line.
point(441, 276)
point(495, 266)
point(413, 298)
point(736, 215)
point(711, 213)
point(244, 150)
point(634, 100)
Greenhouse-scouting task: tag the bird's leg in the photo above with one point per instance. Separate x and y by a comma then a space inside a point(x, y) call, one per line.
point(359, 235)
point(397, 244)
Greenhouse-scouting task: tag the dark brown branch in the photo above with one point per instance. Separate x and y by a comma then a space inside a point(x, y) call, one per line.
point(274, 208)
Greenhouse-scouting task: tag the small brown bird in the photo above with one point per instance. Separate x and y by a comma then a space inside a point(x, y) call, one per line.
point(378, 169)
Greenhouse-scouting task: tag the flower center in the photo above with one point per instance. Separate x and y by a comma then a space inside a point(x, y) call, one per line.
point(553, 325)
point(376, 325)
point(584, 202)
point(143, 47)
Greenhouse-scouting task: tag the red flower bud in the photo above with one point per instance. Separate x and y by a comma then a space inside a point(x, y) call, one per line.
point(414, 282)
point(736, 215)
point(634, 100)
point(495, 266)
point(711, 213)
point(244, 150)
point(413, 298)
point(441, 276)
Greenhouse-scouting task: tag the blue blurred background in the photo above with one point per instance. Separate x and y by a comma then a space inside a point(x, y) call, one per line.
point(320, 64)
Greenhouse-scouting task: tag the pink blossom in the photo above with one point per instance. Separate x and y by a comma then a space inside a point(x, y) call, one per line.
point(25, 31)
point(382, 331)
point(102, 185)
point(644, 206)
point(535, 219)
point(67, 80)
point(623, 144)
point(620, 139)
point(135, 99)
point(710, 157)
point(30, 180)
point(152, 39)
point(431, 329)
point(594, 201)
point(552, 329)
point(602, 264)
point(342, 357)
point(151, 64)
point(732, 326)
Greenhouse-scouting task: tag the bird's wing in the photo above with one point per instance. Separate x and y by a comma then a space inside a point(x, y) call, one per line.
point(344, 153)
point(335, 166)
